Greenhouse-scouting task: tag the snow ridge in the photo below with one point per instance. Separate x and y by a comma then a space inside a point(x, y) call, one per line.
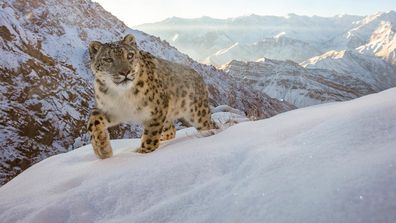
point(327, 163)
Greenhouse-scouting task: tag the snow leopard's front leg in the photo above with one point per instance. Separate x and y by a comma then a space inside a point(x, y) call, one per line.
point(100, 138)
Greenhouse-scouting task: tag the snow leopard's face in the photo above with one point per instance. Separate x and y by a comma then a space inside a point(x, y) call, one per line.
point(115, 62)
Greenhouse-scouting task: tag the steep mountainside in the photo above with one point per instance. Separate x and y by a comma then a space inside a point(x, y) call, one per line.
point(46, 86)
point(287, 80)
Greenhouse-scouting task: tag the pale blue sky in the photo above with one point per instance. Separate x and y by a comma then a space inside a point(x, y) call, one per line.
point(135, 12)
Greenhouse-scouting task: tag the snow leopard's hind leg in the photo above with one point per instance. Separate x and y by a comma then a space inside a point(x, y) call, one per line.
point(201, 119)
point(168, 131)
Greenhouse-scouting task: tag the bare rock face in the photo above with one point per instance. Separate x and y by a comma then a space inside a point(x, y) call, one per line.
point(47, 88)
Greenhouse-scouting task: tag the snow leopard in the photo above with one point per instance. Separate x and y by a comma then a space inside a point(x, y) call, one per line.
point(133, 85)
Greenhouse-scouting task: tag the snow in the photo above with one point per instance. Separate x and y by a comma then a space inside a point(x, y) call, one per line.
point(328, 163)
point(223, 51)
point(279, 35)
point(175, 37)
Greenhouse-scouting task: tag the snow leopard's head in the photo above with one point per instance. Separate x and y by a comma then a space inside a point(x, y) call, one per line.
point(117, 62)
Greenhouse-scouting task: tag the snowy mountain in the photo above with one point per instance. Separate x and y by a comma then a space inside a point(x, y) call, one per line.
point(326, 163)
point(279, 48)
point(361, 31)
point(46, 85)
point(288, 81)
point(382, 43)
point(372, 70)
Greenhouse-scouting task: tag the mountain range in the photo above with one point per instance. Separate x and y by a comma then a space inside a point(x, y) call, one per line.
point(299, 59)
point(333, 76)
point(294, 37)
point(288, 81)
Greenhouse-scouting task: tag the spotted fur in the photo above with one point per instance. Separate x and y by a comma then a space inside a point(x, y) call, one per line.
point(133, 85)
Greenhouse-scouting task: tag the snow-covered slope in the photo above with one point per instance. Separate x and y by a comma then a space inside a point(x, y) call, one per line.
point(46, 86)
point(372, 70)
point(287, 80)
point(279, 48)
point(327, 163)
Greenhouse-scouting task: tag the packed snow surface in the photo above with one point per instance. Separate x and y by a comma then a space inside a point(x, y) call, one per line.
point(328, 163)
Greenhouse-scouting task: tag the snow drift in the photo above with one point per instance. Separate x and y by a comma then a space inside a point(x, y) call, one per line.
point(327, 163)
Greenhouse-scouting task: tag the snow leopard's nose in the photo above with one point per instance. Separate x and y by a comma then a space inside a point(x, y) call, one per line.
point(124, 73)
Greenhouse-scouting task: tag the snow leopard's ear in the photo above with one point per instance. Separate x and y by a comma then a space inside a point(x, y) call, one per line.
point(93, 48)
point(129, 40)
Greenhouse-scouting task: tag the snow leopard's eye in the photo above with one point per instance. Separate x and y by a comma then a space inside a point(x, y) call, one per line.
point(108, 60)
point(130, 56)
